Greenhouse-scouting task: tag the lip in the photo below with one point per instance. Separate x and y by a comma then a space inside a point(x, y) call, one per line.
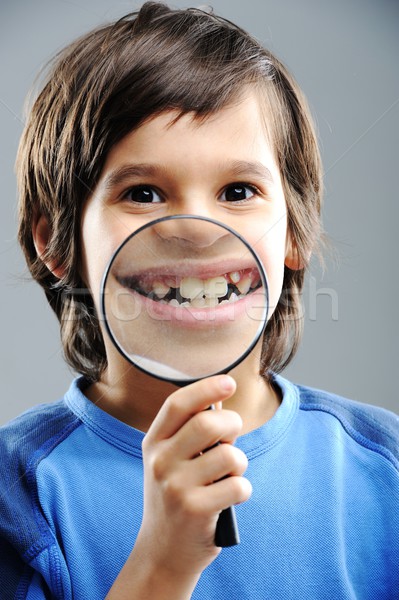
point(177, 271)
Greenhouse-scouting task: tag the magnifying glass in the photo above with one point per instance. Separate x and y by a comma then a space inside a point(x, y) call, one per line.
point(184, 298)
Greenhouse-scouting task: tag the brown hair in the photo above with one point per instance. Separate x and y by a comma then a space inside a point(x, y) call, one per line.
point(107, 83)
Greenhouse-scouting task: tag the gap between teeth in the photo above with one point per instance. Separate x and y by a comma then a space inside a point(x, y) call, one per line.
point(199, 293)
point(203, 302)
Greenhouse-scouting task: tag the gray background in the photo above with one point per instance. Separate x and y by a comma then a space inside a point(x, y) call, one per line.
point(344, 54)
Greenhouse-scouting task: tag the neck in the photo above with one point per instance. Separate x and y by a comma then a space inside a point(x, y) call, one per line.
point(135, 398)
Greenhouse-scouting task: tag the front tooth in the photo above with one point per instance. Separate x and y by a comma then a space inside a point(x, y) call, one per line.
point(191, 287)
point(244, 284)
point(198, 302)
point(215, 287)
point(211, 301)
point(234, 276)
point(160, 289)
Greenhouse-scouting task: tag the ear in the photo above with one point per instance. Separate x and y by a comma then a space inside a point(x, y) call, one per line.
point(41, 233)
point(292, 259)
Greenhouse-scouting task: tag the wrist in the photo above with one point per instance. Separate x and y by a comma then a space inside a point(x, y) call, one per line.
point(142, 579)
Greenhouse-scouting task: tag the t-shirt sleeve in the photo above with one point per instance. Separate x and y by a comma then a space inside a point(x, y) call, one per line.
point(37, 589)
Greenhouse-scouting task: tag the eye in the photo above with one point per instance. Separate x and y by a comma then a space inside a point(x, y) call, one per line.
point(238, 192)
point(142, 194)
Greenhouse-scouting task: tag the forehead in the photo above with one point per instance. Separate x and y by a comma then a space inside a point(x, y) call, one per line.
point(239, 131)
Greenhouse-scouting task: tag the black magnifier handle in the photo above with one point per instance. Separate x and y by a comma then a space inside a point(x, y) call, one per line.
point(227, 529)
point(227, 533)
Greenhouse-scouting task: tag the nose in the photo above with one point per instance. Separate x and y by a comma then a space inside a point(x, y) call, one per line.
point(191, 231)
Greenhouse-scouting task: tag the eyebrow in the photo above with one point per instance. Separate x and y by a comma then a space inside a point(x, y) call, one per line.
point(244, 168)
point(237, 168)
point(126, 172)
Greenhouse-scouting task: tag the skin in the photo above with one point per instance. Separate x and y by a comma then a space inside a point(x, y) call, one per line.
point(192, 167)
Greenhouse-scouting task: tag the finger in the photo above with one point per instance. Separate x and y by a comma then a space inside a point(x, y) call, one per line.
point(222, 461)
point(221, 494)
point(203, 431)
point(180, 406)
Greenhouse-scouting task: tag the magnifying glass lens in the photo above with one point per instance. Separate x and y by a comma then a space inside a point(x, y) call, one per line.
point(184, 298)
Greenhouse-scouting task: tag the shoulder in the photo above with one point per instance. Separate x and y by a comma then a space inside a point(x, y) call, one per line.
point(27, 439)
point(25, 536)
point(24, 442)
point(34, 428)
point(371, 426)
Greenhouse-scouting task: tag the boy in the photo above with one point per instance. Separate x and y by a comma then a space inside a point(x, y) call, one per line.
point(108, 492)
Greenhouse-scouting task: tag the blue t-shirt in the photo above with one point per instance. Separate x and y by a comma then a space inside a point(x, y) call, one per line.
point(322, 523)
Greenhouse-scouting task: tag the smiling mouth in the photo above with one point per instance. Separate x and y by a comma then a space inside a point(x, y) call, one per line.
point(192, 291)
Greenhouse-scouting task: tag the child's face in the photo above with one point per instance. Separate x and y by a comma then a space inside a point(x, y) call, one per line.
point(222, 168)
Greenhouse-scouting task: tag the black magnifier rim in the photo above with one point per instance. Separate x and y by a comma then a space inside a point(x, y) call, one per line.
point(183, 382)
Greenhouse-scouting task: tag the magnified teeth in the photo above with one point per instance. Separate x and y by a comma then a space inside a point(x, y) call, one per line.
point(215, 287)
point(194, 291)
point(211, 302)
point(160, 289)
point(198, 303)
point(191, 287)
point(234, 276)
point(244, 284)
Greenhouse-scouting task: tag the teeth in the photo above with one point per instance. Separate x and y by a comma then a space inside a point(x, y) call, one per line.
point(244, 284)
point(191, 287)
point(204, 302)
point(234, 276)
point(198, 303)
point(160, 289)
point(215, 287)
point(203, 293)
point(211, 302)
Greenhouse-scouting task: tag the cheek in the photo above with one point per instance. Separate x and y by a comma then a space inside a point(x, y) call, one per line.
point(275, 281)
point(100, 239)
point(271, 251)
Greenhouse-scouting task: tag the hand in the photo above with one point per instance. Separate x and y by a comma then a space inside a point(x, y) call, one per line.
point(184, 492)
point(184, 489)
